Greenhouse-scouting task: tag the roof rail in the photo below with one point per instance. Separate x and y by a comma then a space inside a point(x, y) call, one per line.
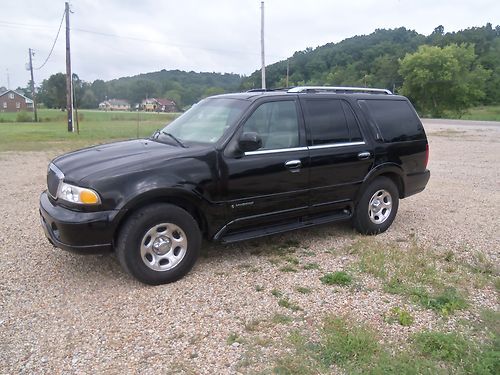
point(339, 89)
point(269, 90)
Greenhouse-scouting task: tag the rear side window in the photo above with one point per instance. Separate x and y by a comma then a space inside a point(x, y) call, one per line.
point(395, 120)
point(330, 121)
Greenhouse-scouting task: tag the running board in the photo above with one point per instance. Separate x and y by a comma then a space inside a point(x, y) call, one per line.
point(304, 222)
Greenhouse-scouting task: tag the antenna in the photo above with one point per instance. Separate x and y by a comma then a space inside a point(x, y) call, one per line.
point(262, 45)
point(8, 79)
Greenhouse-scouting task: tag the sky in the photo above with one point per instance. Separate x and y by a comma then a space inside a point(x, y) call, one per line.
point(117, 38)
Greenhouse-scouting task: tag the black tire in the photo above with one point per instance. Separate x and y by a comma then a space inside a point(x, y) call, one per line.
point(147, 226)
point(368, 221)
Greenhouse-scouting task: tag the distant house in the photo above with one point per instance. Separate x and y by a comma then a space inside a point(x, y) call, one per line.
point(114, 105)
point(158, 105)
point(148, 105)
point(12, 101)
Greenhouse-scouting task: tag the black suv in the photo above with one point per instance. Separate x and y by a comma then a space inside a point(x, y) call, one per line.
point(235, 167)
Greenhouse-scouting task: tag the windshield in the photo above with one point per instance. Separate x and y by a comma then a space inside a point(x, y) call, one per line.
point(206, 121)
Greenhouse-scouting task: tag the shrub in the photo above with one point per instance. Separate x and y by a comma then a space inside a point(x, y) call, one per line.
point(336, 278)
point(342, 343)
point(24, 116)
point(399, 315)
point(450, 347)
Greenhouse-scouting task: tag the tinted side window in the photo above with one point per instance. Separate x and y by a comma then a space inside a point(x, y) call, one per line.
point(276, 123)
point(352, 124)
point(326, 121)
point(395, 119)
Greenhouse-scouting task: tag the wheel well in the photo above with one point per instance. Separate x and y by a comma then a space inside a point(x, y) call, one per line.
point(398, 181)
point(177, 201)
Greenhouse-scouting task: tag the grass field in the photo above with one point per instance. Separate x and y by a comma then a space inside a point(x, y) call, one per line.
point(482, 113)
point(18, 133)
point(95, 127)
point(489, 113)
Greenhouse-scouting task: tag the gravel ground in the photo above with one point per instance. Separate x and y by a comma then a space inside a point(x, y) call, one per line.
point(61, 312)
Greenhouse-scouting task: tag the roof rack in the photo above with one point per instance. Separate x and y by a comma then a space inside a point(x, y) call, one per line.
point(269, 90)
point(339, 89)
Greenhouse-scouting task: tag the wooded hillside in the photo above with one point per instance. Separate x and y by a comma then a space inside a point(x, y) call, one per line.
point(375, 60)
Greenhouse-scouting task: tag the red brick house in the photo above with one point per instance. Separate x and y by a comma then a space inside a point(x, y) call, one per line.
point(12, 101)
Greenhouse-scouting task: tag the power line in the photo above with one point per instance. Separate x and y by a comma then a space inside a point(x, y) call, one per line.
point(133, 38)
point(110, 35)
point(167, 44)
point(24, 25)
point(53, 45)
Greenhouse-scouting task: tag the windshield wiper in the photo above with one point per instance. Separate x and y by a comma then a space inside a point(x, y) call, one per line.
point(157, 133)
point(174, 138)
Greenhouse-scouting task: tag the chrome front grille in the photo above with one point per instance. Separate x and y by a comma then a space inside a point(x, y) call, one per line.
point(54, 179)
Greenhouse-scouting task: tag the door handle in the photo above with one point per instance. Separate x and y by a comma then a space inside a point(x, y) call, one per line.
point(293, 165)
point(364, 155)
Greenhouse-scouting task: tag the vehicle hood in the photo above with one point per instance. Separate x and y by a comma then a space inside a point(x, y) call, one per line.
point(116, 158)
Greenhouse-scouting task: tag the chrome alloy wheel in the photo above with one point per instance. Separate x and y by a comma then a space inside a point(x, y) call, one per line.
point(163, 247)
point(380, 206)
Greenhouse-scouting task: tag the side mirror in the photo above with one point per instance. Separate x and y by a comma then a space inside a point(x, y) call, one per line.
point(250, 141)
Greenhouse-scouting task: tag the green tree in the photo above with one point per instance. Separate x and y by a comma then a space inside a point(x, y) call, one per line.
point(443, 79)
point(491, 61)
point(213, 91)
point(79, 88)
point(89, 99)
point(385, 72)
point(100, 90)
point(53, 91)
point(175, 96)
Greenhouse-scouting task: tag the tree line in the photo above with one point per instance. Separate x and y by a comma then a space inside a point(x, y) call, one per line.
point(185, 88)
point(440, 72)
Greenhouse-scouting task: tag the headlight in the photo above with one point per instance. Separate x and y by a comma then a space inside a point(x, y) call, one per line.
point(79, 195)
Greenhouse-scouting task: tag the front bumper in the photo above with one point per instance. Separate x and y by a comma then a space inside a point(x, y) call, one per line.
point(82, 232)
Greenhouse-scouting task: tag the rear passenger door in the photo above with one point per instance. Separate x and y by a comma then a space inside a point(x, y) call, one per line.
point(340, 158)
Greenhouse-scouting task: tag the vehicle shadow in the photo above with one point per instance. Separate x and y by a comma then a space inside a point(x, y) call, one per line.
point(263, 246)
point(104, 269)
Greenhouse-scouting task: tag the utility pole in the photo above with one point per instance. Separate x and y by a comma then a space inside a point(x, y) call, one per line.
point(69, 91)
point(262, 45)
point(31, 53)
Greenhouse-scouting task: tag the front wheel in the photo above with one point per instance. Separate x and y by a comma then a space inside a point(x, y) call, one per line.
point(159, 244)
point(377, 207)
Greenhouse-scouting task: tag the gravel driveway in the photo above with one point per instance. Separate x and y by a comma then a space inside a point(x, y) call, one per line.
point(61, 312)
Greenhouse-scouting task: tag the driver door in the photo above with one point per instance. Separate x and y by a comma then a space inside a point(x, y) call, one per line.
point(271, 183)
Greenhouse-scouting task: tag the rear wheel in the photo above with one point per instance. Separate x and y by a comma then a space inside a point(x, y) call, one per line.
point(377, 207)
point(159, 244)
